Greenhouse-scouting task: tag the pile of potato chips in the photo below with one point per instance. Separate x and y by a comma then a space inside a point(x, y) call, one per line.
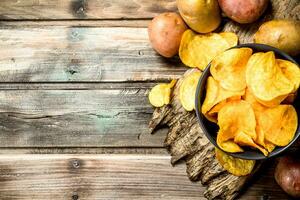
point(249, 95)
point(196, 50)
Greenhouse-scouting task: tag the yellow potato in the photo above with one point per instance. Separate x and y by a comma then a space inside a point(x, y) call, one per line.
point(229, 68)
point(282, 34)
point(235, 166)
point(187, 90)
point(201, 15)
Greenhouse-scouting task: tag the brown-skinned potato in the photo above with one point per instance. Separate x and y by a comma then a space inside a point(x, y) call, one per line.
point(287, 174)
point(165, 32)
point(282, 34)
point(243, 11)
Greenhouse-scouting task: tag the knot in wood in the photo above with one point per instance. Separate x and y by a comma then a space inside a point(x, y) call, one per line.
point(75, 197)
point(76, 163)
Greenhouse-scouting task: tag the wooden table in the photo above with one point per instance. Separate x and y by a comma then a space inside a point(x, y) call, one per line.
point(74, 112)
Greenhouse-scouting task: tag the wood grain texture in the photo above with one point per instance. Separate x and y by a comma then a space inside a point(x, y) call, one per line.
point(83, 9)
point(109, 177)
point(83, 150)
point(143, 23)
point(94, 177)
point(104, 117)
point(81, 54)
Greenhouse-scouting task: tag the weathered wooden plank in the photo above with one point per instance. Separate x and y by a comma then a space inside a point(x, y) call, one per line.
point(108, 177)
point(83, 9)
point(77, 23)
point(81, 54)
point(84, 150)
point(94, 177)
point(107, 117)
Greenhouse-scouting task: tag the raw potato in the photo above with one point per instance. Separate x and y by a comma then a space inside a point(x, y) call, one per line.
point(243, 11)
point(201, 15)
point(165, 33)
point(282, 34)
point(287, 174)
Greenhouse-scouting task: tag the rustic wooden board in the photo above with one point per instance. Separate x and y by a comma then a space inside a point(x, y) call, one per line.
point(105, 117)
point(83, 9)
point(93, 177)
point(81, 54)
point(107, 177)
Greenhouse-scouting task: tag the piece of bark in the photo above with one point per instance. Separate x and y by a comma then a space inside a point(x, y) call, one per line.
point(186, 140)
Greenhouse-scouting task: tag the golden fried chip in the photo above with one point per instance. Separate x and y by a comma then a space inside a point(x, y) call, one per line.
point(160, 94)
point(269, 146)
point(187, 90)
point(291, 71)
point(266, 80)
point(212, 114)
point(215, 94)
point(229, 68)
point(224, 142)
point(198, 50)
point(236, 117)
point(245, 140)
point(235, 166)
point(231, 38)
point(257, 107)
point(279, 124)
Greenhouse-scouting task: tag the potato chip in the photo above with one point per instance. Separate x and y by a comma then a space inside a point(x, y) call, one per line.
point(187, 90)
point(279, 124)
point(235, 166)
point(215, 94)
point(231, 38)
point(229, 68)
point(245, 140)
point(236, 117)
point(291, 71)
point(198, 50)
point(212, 114)
point(160, 94)
point(269, 146)
point(266, 80)
point(227, 144)
point(257, 107)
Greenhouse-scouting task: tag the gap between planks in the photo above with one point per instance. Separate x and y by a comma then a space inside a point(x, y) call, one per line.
point(134, 23)
point(82, 150)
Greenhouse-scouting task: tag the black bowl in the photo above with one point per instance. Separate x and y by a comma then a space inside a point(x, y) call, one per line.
point(210, 129)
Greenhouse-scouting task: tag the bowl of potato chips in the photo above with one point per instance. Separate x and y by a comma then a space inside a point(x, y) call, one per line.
point(246, 101)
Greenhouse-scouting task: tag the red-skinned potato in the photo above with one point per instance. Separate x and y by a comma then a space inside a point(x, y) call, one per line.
point(243, 11)
point(287, 175)
point(165, 32)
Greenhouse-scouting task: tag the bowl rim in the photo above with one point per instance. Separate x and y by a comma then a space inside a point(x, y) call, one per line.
point(202, 80)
